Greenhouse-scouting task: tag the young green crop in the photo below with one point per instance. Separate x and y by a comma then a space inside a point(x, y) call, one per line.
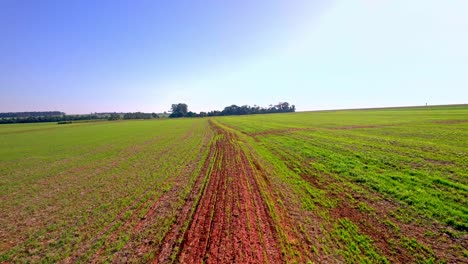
point(345, 165)
point(68, 188)
point(370, 186)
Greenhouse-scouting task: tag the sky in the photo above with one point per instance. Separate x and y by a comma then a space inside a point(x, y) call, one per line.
point(125, 56)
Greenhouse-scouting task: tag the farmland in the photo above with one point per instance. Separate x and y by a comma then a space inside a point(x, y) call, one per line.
point(356, 186)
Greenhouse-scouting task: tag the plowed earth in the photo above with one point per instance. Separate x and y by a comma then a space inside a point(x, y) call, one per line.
point(232, 221)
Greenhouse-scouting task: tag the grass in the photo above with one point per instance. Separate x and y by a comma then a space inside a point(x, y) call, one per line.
point(358, 248)
point(65, 184)
point(416, 158)
point(367, 186)
point(416, 161)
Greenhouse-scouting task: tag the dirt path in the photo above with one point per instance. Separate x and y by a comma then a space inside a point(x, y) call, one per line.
point(174, 237)
point(232, 223)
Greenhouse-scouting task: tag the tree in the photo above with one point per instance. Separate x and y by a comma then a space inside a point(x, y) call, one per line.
point(178, 110)
point(283, 107)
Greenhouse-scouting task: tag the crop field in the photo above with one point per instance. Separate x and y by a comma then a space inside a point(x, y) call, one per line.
point(354, 186)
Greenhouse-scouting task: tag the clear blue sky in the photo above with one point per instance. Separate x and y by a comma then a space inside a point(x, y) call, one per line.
point(94, 56)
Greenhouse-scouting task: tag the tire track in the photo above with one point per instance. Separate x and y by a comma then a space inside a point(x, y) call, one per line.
point(232, 223)
point(174, 237)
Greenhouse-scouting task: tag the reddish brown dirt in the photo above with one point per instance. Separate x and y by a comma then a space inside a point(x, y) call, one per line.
point(286, 211)
point(175, 235)
point(444, 247)
point(373, 227)
point(386, 238)
point(232, 223)
point(375, 224)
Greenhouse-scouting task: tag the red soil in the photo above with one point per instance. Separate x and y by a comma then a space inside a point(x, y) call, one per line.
point(384, 236)
point(375, 224)
point(232, 223)
point(177, 231)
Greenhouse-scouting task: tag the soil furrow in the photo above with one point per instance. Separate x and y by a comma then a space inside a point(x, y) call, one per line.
point(174, 237)
point(232, 223)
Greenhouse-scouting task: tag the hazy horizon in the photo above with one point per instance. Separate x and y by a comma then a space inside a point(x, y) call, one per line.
point(297, 111)
point(128, 56)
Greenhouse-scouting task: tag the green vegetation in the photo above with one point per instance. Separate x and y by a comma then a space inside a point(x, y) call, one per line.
point(181, 110)
point(69, 188)
point(356, 186)
point(418, 156)
point(62, 118)
point(398, 169)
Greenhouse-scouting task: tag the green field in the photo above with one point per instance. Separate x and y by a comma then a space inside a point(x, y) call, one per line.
point(64, 188)
point(355, 186)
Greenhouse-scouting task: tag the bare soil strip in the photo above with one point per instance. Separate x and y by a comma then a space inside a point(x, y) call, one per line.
point(232, 223)
point(174, 238)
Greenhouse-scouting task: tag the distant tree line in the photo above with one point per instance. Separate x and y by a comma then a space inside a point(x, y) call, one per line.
point(181, 110)
point(177, 110)
point(35, 117)
point(38, 119)
point(250, 110)
point(31, 114)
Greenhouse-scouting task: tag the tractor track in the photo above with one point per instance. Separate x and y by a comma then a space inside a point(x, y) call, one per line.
point(232, 223)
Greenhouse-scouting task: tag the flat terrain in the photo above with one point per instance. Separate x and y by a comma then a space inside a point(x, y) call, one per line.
point(356, 186)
